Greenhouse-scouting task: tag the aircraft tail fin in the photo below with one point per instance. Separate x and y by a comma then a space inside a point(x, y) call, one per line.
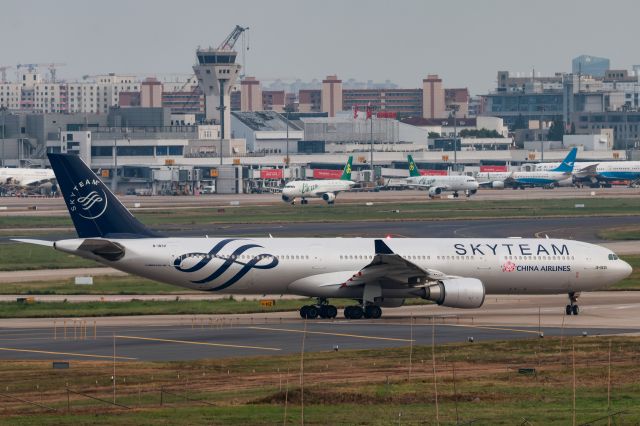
point(346, 172)
point(413, 168)
point(567, 164)
point(95, 211)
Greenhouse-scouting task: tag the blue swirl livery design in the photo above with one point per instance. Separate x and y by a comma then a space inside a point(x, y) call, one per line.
point(237, 257)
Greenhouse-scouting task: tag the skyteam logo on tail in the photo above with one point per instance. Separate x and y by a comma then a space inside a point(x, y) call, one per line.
point(87, 199)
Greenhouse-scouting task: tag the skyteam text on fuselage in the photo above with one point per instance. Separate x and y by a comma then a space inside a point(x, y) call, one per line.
point(549, 178)
point(376, 273)
point(436, 185)
point(327, 189)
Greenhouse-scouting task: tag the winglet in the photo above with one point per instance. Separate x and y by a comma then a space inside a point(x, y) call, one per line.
point(382, 248)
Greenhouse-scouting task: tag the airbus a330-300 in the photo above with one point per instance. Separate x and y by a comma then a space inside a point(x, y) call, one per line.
point(375, 273)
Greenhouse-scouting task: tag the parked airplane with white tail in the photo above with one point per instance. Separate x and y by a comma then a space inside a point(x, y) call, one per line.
point(21, 177)
point(376, 273)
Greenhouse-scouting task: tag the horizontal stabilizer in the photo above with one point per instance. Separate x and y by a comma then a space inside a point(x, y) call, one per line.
point(31, 241)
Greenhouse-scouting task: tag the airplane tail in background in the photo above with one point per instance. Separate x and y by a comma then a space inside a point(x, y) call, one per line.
point(346, 172)
point(567, 164)
point(413, 168)
point(95, 211)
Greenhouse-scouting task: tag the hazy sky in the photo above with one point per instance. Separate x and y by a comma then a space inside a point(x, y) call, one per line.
point(465, 42)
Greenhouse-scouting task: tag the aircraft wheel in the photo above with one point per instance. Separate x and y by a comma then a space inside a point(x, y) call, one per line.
point(455, 195)
point(331, 311)
point(575, 309)
point(568, 310)
point(309, 312)
point(372, 311)
point(353, 312)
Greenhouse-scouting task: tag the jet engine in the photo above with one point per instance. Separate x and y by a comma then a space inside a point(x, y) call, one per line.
point(286, 198)
point(329, 197)
point(465, 293)
point(434, 192)
point(497, 184)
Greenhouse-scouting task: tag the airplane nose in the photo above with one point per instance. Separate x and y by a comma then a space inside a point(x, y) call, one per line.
point(625, 269)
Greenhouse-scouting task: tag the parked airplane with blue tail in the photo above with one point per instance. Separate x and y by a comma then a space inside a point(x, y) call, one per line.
point(547, 178)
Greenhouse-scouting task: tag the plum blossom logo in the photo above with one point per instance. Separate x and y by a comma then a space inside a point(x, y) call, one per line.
point(509, 266)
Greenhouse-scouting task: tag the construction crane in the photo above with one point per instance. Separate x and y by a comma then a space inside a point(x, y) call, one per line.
point(232, 38)
point(3, 73)
point(51, 66)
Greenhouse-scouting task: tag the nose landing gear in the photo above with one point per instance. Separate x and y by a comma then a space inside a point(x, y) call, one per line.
point(572, 308)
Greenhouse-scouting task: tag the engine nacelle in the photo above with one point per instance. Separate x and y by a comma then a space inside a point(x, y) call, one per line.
point(434, 191)
point(497, 184)
point(329, 197)
point(287, 199)
point(465, 293)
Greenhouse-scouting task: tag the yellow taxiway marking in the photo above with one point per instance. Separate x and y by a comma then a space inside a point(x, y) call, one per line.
point(190, 342)
point(358, 336)
point(486, 327)
point(33, 351)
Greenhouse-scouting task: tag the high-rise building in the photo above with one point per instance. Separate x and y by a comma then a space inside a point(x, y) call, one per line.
point(331, 95)
point(250, 95)
point(590, 65)
point(433, 101)
point(151, 93)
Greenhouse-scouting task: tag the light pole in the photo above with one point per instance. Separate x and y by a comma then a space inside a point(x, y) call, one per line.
point(541, 108)
point(287, 109)
point(373, 178)
point(454, 109)
point(114, 180)
point(3, 111)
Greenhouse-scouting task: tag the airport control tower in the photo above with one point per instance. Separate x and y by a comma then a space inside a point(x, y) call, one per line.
point(217, 72)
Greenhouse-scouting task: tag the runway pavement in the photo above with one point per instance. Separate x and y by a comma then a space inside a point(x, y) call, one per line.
point(164, 338)
point(55, 206)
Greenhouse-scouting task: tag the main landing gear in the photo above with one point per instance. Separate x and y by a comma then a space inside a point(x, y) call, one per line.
point(322, 309)
point(455, 195)
point(572, 308)
point(304, 201)
point(357, 312)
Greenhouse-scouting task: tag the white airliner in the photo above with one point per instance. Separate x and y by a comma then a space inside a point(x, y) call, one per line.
point(25, 176)
point(436, 185)
point(549, 178)
point(376, 273)
point(318, 188)
point(602, 173)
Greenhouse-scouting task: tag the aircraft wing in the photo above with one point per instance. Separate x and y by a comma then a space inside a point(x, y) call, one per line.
point(590, 170)
point(389, 268)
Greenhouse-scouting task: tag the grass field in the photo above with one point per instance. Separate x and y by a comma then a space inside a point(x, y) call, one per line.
point(476, 383)
point(20, 257)
point(350, 212)
point(236, 305)
point(621, 233)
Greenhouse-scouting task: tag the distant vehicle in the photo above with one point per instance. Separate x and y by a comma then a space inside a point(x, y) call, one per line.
point(209, 189)
point(515, 180)
point(602, 173)
point(436, 185)
point(374, 272)
point(327, 189)
point(23, 177)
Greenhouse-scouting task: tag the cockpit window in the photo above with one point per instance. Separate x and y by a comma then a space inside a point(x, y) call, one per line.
point(613, 257)
point(289, 186)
